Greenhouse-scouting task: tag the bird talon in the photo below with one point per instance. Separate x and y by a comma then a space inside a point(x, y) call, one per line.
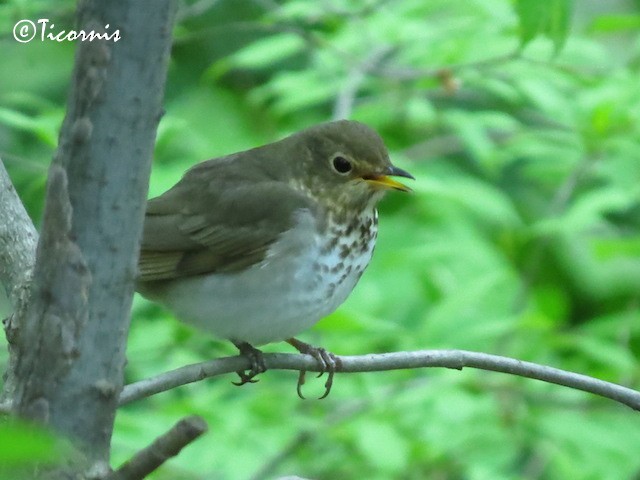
point(327, 362)
point(327, 386)
point(256, 359)
point(245, 378)
point(301, 381)
point(335, 366)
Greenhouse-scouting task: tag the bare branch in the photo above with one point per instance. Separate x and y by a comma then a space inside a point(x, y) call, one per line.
point(405, 73)
point(18, 240)
point(457, 359)
point(356, 77)
point(162, 449)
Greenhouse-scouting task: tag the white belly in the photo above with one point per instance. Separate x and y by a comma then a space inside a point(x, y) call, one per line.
point(300, 281)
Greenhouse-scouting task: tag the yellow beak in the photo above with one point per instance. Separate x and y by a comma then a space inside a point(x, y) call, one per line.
point(382, 180)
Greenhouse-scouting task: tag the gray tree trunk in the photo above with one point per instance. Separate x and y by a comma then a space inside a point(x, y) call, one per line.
point(69, 346)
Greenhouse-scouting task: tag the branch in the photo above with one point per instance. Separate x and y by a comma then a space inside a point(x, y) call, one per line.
point(457, 359)
point(18, 240)
point(396, 72)
point(162, 449)
point(356, 77)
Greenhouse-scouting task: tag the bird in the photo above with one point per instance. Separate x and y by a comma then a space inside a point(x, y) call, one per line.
point(256, 247)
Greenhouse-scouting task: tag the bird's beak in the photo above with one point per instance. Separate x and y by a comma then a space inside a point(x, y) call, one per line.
point(382, 180)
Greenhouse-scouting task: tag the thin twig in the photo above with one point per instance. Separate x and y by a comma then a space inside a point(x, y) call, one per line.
point(187, 11)
point(457, 359)
point(357, 75)
point(162, 449)
point(398, 72)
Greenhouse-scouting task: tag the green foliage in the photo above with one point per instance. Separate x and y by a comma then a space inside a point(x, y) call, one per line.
point(23, 445)
point(521, 123)
point(550, 18)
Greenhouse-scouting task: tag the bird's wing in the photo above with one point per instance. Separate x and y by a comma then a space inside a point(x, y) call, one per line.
point(229, 227)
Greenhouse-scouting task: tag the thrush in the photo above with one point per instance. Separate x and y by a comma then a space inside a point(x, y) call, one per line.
point(257, 246)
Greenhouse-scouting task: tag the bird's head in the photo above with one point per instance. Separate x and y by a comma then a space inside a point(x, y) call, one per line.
point(347, 164)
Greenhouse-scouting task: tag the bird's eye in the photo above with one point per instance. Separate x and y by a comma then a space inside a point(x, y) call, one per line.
point(341, 165)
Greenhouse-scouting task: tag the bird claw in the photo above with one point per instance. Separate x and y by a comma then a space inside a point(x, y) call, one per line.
point(256, 359)
point(328, 362)
point(245, 378)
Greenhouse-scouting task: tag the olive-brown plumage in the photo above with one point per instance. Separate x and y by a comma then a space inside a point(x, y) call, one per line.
point(258, 246)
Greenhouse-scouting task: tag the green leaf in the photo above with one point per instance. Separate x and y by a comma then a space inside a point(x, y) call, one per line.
point(267, 51)
point(550, 18)
point(43, 126)
point(615, 23)
point(17, 120)
point(22, 444)
point(610, 248)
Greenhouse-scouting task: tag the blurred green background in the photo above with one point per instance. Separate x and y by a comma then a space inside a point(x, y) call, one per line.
point(521, 123)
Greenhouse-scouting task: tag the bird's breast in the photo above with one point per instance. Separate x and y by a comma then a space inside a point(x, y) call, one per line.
point(344, 253)
point(307, 273)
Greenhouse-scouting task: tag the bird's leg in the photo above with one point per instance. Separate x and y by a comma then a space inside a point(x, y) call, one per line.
point(255, 358)
point(328, 362)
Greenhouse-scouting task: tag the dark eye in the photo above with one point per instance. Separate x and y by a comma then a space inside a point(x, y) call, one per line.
point(341, 165)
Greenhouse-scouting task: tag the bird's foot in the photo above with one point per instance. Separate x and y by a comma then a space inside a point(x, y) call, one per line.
point(255, 358)
point(329, 363)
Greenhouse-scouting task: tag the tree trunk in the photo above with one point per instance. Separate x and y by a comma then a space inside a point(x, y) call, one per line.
point(70, 345)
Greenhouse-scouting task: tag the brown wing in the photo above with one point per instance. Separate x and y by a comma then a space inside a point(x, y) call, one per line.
point(215, 223)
